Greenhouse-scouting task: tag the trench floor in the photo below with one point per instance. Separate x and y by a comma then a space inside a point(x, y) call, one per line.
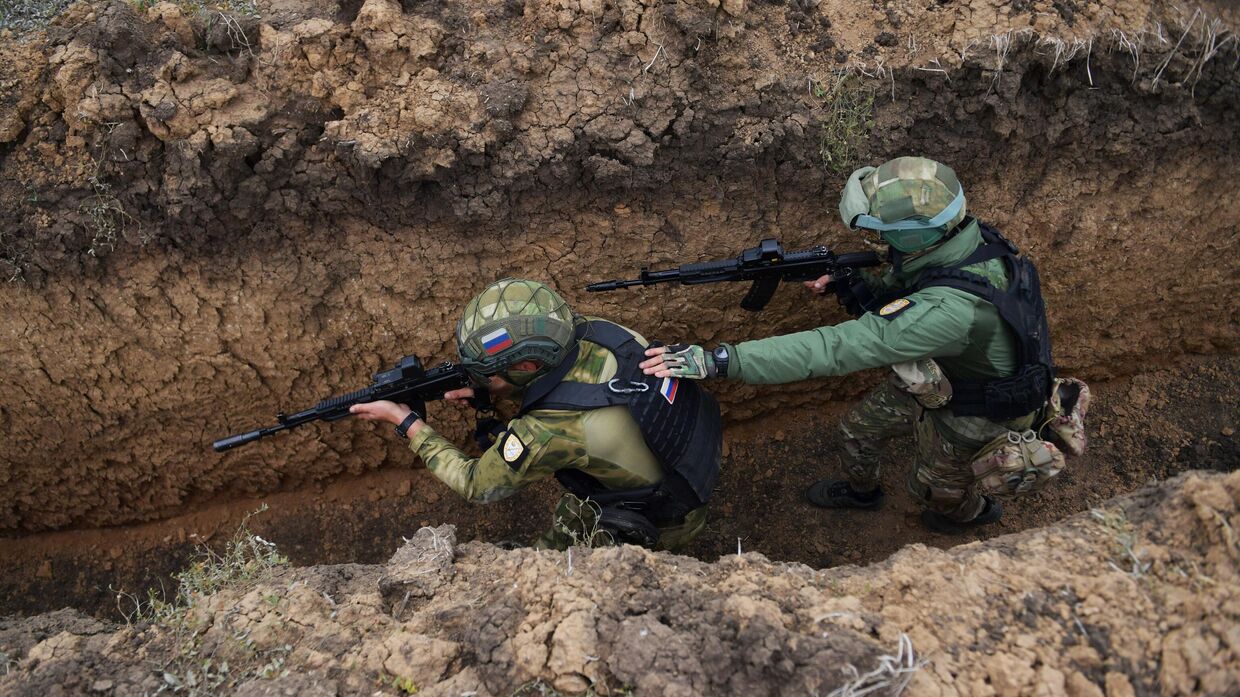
point(1143, 428)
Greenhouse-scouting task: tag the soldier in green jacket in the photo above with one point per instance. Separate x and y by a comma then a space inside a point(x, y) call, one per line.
point(959, 318)
point(589, 417)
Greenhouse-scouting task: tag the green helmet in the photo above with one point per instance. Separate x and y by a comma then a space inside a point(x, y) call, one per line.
point(912, 202)
point(511, 321)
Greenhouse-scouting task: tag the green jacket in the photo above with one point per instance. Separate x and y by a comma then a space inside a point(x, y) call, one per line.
point(962, 332)
point(604, 443)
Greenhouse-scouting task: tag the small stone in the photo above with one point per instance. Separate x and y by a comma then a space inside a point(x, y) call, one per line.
point(1228, 431)
point(101, 686)
point(45, 569)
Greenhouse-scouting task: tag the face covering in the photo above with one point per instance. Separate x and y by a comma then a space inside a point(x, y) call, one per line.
point(521, 378)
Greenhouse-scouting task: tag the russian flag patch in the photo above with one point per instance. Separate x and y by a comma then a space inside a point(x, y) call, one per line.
point(496, 341)
point(668, 389)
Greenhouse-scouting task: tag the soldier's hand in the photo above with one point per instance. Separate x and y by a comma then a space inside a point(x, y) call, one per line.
point(819, 285)
point(459, 397)
point(382, 410)
point(678, 361)
point(495, 384)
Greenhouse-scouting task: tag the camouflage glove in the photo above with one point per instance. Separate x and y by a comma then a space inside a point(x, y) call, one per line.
point(689, 361)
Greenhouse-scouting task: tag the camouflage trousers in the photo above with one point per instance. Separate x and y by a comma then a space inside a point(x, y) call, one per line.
point(576, 524)
point(946, 445)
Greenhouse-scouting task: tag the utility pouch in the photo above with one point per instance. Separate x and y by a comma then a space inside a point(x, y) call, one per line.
point(1065, 415)
point(1016, 463)
point(925, 381)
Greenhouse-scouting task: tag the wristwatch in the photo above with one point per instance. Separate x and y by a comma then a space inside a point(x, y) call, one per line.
point(720, 355)
point(402, 429)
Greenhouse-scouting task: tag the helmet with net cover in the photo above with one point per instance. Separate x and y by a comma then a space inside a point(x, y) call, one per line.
point(514, 320)
point(912, 202)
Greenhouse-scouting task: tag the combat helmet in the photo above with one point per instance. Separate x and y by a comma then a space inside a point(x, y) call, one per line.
point(912, 202)
point(511, 321)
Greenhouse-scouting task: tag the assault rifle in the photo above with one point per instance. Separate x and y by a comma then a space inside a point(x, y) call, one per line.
point(766, 265)
point(407, 383)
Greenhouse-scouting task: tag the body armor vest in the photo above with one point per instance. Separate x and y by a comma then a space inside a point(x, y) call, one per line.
point(1024, 312)
point(679, 421)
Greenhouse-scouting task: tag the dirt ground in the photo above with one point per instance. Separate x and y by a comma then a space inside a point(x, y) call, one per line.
point(1143, 429)
point(1139, 596)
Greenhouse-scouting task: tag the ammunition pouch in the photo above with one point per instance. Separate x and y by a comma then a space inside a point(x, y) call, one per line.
point(1065, 415)
point(1016, 463)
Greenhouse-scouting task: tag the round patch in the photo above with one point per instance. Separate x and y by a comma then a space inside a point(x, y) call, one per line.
point(894, 306)
point(513, 449)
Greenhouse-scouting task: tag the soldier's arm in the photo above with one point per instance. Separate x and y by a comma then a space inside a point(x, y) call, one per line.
point(934, 324)
point(525, 453)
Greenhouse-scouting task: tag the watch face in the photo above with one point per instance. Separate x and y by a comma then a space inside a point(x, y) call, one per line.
point(721, 361)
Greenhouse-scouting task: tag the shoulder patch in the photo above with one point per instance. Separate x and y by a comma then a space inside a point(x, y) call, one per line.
point(513, 451)
point(895, 307)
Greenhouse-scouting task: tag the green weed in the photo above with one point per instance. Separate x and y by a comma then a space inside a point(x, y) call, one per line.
point(847, 122)
point(245, 561)
point(23, 16)
point(1126, 560)
point(405, 685)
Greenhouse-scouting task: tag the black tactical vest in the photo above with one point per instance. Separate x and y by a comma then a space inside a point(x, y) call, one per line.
point(679, 421)
point(1022, 309)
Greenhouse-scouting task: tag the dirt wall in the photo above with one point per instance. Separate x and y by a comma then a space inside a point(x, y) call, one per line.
point(1137, 597)
point(211, 216)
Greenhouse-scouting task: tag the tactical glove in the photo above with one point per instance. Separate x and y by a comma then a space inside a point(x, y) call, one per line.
point(689, 361)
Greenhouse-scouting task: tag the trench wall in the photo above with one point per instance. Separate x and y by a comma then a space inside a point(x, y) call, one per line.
point(210, 217)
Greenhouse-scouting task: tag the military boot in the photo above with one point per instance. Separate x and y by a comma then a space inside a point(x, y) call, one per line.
point(839, 493)
point(937, 522)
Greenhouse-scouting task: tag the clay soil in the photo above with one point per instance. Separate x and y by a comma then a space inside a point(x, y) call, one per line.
point(209, 216)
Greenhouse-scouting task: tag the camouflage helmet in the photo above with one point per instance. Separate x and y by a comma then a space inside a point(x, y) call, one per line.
point(912, 202)
point(511, 321)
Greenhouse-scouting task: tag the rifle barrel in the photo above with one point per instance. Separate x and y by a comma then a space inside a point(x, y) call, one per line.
point(242, 438)
point(606, 286)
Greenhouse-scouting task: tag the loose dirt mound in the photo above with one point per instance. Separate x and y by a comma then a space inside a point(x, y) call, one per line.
point(1139, 596)
point(211, 216)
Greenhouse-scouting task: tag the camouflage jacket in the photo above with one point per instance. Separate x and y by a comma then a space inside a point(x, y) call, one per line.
point(962, 332)
point(604, 443)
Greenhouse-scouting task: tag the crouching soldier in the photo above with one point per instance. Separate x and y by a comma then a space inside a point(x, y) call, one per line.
point(638, 455)
point(960, 319)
